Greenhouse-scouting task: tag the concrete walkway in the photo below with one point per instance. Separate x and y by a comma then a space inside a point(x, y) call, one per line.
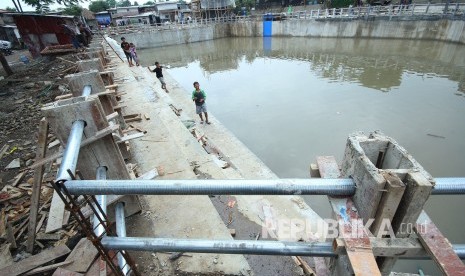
point(170, 147)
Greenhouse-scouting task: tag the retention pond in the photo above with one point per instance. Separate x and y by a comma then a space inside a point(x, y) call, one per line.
point(292, 99)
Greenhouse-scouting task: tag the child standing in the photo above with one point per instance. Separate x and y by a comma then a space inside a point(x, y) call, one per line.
point(158, 70)
point(132, 50)
point(199, 97)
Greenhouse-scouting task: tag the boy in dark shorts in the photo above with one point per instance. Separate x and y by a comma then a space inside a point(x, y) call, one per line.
point(199, 97)
point(158, 71)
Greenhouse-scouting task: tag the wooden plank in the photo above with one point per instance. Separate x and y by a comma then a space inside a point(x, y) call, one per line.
point(130, 137)
point(327, 168)
point(439, 247)
point(305, 267)
point(55, 214)
point(65, 96)
point(82, 256)
point(352, 230)
point(359, 251)
point(35, 261)
point(3, 150)
point(390, 200)
point(18, 178)
point(10, 236)
point(64, 272)
point(5, 255)
point(48, 237)
point(100, 134)
point(387, 247)
point(38, 176)
point(43, 269)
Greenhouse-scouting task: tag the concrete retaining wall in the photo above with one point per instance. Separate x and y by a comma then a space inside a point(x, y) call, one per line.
point(379, 27)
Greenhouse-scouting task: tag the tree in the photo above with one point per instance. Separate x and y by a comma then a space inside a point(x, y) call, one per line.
point(149, 3)
point(135, 3)
point(10, 9)
point(98, 6)
point(111, 3)
point(40, 3)
point(123, 3)
point(73, 10)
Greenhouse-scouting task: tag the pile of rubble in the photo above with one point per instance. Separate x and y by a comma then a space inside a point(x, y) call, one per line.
point(51, 250)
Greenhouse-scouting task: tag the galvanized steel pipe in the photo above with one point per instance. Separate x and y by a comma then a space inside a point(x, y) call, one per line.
point(121, 232)
point(449, 186)
point(315, 186)
point(316, 249)
point(99, 229)
point(323, 249)
point(87, 90)
point(71, 153)
point(310, 186)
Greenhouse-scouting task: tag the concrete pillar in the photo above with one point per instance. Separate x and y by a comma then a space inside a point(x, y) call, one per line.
point(79, 80)
point(391, 185)
point(90, 64)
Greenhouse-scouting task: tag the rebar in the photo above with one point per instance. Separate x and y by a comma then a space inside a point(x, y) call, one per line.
point(310, 186)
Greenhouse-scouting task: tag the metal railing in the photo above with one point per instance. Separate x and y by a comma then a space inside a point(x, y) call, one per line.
point(455, 10)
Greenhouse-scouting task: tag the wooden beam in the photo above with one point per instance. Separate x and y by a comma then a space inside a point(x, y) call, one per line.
point(82, 256)
point(357, 242)
point(438, 247)
point(388, 247)
point(32, 262)
point(329, 169)
point(100, 134)
point(390, 200)
point(359, 251)
point(43, 269)
point(38, 176)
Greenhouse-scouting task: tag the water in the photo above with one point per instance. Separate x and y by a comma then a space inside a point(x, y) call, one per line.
point(292, 99)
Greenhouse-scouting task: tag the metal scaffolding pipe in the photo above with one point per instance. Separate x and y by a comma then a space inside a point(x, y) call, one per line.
point(323, 249)
point(121, 232)
point(87, 90)
point(71, 153)
point(449, 186)
point(315, 249)
point(99, 229)
point(310, 186)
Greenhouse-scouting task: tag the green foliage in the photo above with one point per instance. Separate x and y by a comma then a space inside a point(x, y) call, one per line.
point(135, 3)
point(73, 10)
point(111, 3)
point(149, 3)
point(244, 3)
point(339, 3)
point(123, 3)
point(11, 9)
point(41, 5)
point(98, 6)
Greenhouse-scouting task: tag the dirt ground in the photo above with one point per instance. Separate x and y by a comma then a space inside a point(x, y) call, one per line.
point(22, 95)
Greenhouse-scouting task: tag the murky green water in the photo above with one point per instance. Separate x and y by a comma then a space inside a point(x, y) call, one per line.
point(292, 99)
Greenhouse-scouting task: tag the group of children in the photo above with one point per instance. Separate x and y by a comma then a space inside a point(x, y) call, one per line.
point(198, 95)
